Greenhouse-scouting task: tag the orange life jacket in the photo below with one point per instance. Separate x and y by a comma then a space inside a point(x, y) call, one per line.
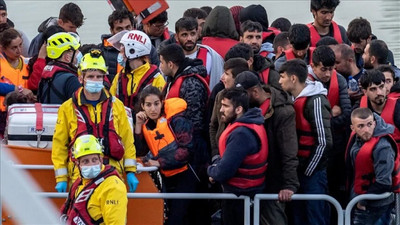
point(304, 133)
point(10, 75)
point(251, 172)
point(364, 174)
point(333, 92)
point(76, 207)
point(315, 37)
point(162, 138)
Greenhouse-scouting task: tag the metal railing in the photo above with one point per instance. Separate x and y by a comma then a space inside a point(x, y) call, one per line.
point(140, 167)
point(312, 197)
point(247, 201)
point(355, 200)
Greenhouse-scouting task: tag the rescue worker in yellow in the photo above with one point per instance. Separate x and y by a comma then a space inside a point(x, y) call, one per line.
point(99, 195)
point(137, 72)
point(92, 110)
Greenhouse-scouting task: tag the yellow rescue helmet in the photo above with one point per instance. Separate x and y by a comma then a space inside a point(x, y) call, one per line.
point(86, 145)
point(93, 61)
point(60, 42)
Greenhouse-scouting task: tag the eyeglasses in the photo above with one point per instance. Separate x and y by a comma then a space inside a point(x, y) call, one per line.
point(160, 26)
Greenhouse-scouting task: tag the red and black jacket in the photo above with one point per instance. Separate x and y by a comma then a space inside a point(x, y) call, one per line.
point(315, 37)
point(175, 86)
point(76, 206)
point(251, 172)
point(290, 54)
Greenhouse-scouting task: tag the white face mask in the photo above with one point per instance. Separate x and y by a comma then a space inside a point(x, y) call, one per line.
point(90, 172)
point(94, 86)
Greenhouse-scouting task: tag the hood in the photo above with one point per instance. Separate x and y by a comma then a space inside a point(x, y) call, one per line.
point(190, 66)
point(255, 13)
point(395, 87)
point(220, 23)
point(267, 47)
point(252, 116)
point(313, 88)
point(278, 97)
point(48, 22)
point(382, 128)
point(261, 63)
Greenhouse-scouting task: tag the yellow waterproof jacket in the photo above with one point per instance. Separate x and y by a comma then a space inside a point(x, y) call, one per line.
point(109, 200)
point(137, 75)
point(65, 131)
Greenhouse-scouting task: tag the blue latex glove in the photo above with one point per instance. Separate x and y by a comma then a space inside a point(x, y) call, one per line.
point(61, 186)
point(132, 181)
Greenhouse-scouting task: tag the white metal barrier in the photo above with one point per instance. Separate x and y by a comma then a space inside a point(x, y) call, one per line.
point(140, 167)
point(355, 200)
point(312, 197)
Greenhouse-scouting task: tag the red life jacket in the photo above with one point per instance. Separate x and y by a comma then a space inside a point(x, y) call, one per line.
point(315, 37)
point(333, 92)
point(304, 133)
point(166, 34)
point(219, 44)
point(122, 94)
point(104, 130)
point(364, 174)
point(251, 172)
point(394, 95)
point(264, 75)
point(265, 35)
point(290, 54)
point(162, 138)
point(175, 87)
point(387, 115)
point(265, 106)
point(76, 206)
point(202, 54)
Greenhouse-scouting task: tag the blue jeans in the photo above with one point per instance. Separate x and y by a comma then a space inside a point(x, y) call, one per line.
point(372, 215)
point(312, 212)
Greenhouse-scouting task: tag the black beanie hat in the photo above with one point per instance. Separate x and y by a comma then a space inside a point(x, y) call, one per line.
point(3, 5)
point(256, 13)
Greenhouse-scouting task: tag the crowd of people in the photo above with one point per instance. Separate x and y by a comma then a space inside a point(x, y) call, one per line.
point(226, 103)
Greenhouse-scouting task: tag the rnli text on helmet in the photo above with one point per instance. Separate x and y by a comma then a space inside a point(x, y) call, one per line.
point(137, 37)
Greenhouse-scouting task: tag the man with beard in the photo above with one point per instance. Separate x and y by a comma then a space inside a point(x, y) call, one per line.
point(375, 54)
point(375, 98)
point(186, 35)
point(243, 147)
point(372, 153)
point(323, 25)
point(280, 124)
point(251, 34)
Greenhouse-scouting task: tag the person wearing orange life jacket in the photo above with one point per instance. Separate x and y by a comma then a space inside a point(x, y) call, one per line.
point(98, 196)
point(92, 110)
point(314, 139)
point(157, 29)
point(164, 136)
point(186, 35)
point(243, 150)
point(372, 163)
point(186, 80)
point(59, 78)
point(322, 70)
point(299, 37)
point(138, 72)
point(375, 98)
point(280, 124)
point(323, 24)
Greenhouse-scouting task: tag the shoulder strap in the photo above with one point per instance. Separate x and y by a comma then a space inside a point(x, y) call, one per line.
point(106, 128)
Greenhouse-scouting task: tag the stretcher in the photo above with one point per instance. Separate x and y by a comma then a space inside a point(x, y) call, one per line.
point(140, 211)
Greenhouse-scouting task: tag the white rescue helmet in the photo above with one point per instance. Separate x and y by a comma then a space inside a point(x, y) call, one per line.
point(136, 44)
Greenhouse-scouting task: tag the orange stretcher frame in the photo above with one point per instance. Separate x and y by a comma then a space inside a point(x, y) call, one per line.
point(145, 10)
point(140, 211)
